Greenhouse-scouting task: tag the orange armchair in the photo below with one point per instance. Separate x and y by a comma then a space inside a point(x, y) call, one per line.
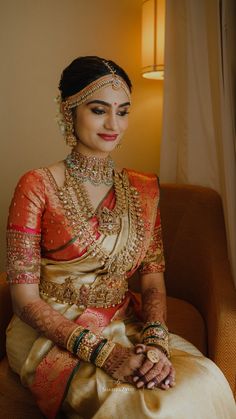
point(201, 295)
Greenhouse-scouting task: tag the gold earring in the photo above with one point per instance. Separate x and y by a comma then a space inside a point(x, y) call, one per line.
point(119, 145)
point(71, 140)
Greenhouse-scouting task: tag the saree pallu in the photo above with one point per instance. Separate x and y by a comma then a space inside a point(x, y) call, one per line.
point(60, 380)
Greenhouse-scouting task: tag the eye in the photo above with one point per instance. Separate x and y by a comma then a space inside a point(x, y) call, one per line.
point(98, 111)
point(123, 113)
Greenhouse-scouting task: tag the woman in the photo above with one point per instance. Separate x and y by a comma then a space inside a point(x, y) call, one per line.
point(77, 231)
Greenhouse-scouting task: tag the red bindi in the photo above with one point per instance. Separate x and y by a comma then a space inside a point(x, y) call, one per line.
point(115, 103)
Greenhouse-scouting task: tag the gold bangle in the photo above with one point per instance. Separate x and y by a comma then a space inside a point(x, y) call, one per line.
point(71, 339)
point(160, 333)
point(87, 344)
point(104, 353)
point(155, 324)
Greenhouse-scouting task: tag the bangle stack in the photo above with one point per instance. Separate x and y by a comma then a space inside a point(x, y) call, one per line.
point(156, 334)
point(89, 347)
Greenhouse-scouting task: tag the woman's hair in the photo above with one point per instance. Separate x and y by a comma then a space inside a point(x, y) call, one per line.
point(84, 70)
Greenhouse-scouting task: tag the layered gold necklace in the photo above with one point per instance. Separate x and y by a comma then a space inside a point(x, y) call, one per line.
point(109, 220)
point(80, 168)
point(126, 257)
point(78, 211)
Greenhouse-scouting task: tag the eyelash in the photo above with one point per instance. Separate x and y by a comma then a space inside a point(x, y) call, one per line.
point(101, 112)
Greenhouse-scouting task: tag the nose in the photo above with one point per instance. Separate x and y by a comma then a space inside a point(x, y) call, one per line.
point(111, 121)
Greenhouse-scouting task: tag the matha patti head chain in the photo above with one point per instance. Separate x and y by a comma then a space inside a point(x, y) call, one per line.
point(65, 117)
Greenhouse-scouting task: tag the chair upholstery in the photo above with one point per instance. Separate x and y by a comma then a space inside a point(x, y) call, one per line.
point(201, 295)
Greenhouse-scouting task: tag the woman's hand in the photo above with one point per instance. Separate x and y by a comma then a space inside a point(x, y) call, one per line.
point(160, 374)
point(122, 363)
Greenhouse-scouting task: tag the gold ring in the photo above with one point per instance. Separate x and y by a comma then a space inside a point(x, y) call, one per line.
point(153, 356)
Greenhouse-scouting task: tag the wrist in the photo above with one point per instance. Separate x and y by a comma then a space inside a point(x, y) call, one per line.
point(115, 359)
point(89, 347)
point(156, 334)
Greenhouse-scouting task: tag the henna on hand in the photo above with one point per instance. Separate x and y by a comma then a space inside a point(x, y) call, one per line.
point(122, 362)
point(153, 305)
point(161, 374)
point(47, 321)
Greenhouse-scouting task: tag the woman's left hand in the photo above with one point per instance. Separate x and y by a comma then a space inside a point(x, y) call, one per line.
point(160, 374)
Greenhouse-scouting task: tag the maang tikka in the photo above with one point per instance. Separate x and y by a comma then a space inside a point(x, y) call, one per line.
point(65, 115)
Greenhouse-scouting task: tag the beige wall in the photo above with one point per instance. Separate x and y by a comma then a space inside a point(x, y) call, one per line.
point(38, 39)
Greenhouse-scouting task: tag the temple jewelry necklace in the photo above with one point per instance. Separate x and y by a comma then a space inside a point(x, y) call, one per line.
point(128, 254)
point(109, 220)
point(95, 170)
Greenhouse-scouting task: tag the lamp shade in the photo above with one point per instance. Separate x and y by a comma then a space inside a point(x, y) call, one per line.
point(153, 38)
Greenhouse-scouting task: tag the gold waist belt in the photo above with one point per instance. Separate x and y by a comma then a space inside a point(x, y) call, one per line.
point(105, 292)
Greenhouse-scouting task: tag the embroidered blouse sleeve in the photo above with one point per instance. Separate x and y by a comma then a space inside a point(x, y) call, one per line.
point(154, 260)
point(24, 230)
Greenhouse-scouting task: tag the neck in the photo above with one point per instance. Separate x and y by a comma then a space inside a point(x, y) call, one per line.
point(84, 151)
point(90, 168)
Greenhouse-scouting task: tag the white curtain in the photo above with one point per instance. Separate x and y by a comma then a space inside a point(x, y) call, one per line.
point(199, 140)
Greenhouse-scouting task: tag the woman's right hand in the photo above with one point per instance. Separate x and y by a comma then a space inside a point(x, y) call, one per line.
point(122, 363)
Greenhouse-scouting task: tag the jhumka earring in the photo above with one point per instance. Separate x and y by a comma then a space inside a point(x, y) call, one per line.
point(69, 126)
point(119, 144)
point(65, 122)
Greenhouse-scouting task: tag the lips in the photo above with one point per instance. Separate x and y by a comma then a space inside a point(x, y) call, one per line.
point(107, 137)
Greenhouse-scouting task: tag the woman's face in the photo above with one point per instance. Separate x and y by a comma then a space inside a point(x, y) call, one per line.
point(101, 121)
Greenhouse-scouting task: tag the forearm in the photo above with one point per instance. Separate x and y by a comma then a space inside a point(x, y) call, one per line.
point(83, 343)
point(47, 321)
point(153, 298)
point(28, 305)
point(155, 332)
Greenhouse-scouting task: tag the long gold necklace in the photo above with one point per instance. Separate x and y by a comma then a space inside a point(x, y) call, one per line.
point(109, 220)
point(123, 260)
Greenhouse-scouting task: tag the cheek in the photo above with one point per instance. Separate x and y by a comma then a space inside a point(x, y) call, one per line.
point(85, 122)
point(124, 124)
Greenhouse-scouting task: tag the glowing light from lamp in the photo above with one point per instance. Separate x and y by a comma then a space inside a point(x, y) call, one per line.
point(153, 38)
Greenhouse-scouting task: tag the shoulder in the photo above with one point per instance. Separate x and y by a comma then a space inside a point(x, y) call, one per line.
point(58, 172)
point(36, 177)
point(147, 184)
point(142, 177)
point(29, 192)
point(30, 178)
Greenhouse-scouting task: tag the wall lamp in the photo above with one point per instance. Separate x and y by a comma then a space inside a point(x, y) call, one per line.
point(153, 39)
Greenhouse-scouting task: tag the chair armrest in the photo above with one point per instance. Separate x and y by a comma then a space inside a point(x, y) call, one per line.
point(198, 269)
point(5, 312)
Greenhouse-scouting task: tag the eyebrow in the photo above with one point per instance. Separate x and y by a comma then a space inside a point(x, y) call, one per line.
point(101, 102)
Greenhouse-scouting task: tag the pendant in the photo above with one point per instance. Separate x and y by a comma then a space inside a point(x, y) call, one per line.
point(108, 223)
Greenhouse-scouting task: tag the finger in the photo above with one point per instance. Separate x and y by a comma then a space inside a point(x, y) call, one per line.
point(140, 372)
point(172, 376)
point(163, 374)
point(164, 386)
point(140, 348)
point(152, 384)
point(155, 371)
point(169, 381)
point(151, 375)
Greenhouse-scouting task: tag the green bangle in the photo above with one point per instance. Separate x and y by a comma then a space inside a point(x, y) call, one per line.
point(97, 350)
point(157, 325)
point(78, 340)
point(154, 336)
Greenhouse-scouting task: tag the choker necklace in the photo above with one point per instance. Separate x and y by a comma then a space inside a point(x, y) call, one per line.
point(95, 170)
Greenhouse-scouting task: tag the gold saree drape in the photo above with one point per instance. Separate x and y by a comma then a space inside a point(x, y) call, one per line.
point(55, 376)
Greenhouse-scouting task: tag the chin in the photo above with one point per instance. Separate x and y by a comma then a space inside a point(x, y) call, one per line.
point(107, 148)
